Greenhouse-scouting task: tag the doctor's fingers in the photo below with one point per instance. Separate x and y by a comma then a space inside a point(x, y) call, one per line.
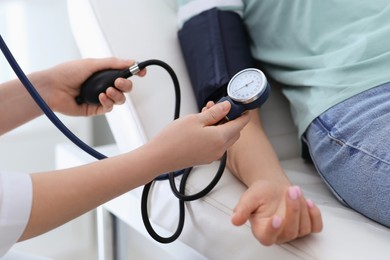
point(208, 105)
point(115, 95)
point(214, 114)
point(123, 85)
point(233, 128)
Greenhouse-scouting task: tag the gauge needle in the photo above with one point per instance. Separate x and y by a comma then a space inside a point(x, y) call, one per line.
point(246, 85)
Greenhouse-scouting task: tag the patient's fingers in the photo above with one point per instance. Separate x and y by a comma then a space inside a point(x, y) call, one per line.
point(305, 220)
point(315, 217)
point(293, 214)
point(242, 211)
point(268, 230)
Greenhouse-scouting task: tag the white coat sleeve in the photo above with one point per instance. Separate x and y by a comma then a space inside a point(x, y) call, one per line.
point(15, 207)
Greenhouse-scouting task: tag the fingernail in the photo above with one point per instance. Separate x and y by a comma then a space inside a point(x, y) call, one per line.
point(276, 222)
point(120, 82)
point(113, 93)
point(225, 105)
point(294, 192)
point(310, 203)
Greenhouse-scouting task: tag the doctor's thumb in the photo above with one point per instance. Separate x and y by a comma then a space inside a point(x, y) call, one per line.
point(215, 113)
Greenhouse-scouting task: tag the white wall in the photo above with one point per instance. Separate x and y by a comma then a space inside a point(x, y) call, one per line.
point(38, 33)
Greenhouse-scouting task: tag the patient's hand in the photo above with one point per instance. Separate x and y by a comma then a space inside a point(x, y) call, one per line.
point(277, 213)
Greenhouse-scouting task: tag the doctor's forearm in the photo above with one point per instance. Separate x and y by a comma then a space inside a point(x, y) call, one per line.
point(61, 196)
point(16, 105)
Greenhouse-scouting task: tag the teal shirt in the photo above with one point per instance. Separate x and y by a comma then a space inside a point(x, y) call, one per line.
point(321, 51)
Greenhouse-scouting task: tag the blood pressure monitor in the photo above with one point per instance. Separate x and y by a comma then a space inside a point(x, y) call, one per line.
point(248, 89)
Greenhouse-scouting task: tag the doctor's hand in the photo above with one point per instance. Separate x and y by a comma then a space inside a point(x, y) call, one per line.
point(195, 139)
point(64, 83)
point(277, 213)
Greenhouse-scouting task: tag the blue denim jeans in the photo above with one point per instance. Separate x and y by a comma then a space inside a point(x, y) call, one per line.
point(350, 147)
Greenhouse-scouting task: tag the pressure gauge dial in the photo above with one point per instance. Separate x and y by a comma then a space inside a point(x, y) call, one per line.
point(247, 85)
point(248, 89)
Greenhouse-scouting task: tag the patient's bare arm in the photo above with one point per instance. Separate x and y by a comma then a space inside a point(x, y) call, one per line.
point(277, 210)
